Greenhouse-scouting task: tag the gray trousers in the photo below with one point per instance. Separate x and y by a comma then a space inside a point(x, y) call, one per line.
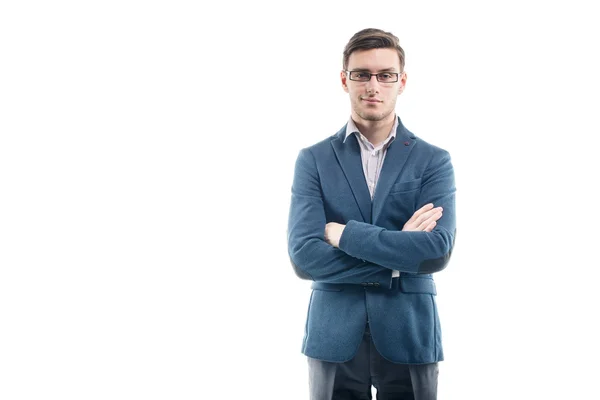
point(352, 380)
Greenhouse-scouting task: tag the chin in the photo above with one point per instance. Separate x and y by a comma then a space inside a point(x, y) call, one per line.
point(372, 116)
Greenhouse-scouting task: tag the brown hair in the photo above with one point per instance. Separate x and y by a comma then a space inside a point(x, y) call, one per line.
point(372, 38)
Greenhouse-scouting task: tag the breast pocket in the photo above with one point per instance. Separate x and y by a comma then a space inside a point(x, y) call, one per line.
point(406, 186)
point(402, 200)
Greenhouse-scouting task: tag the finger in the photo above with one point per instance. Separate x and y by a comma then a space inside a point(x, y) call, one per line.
point(432, 218)
point(420, 214)
point(426, 207)
point(434, 213)
point(430, 227)
point(420, 211)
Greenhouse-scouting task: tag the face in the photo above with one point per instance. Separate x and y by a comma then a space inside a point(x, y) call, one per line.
point(373, 100)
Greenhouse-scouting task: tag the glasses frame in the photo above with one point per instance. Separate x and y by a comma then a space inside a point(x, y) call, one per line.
point(349, 74)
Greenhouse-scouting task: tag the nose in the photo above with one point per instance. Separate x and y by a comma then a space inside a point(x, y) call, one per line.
point(372, 85)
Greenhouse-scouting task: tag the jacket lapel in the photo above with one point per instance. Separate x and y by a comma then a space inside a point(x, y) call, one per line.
point(395, 158)
point(348, 155)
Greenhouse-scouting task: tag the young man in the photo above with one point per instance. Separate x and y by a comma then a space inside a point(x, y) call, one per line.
point(371, 219)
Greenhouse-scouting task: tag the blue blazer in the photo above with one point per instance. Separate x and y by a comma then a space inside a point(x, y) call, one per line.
point(353, 284)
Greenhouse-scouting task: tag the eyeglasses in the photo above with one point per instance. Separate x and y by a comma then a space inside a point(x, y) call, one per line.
point(362, 76)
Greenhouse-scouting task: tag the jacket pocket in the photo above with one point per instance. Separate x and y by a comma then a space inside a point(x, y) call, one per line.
point(406, 186)
point(417, 285)
point(327, 287)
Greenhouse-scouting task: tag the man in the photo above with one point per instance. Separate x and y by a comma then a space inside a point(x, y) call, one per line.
point(372, 217)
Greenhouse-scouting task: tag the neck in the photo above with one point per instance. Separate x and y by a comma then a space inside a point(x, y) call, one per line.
point(375, 131)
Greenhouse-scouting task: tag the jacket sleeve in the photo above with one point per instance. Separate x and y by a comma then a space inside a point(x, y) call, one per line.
point(412, 252)
point(311, 256)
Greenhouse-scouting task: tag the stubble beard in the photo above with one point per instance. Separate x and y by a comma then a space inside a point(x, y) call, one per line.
point(373, 116)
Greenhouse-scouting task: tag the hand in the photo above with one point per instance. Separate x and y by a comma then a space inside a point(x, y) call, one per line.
point(333, 233)
point(424, 219)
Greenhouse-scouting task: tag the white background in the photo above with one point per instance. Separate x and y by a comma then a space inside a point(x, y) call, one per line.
point(146, 158)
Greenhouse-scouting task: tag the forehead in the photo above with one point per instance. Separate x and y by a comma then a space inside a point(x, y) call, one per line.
point(374, 60)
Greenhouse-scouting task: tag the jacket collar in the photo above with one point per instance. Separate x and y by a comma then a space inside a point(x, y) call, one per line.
point(347, 151)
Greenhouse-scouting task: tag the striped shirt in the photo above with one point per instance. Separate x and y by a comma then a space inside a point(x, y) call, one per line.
point(372, 157)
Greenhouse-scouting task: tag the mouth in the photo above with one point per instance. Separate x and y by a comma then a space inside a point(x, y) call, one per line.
point(371, 100)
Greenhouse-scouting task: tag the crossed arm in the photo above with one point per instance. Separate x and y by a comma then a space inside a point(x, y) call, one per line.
point(423, 220)
point(359, 252)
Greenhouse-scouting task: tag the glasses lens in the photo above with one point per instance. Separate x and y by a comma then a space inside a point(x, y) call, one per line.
point(359, 76)
point(387, 77)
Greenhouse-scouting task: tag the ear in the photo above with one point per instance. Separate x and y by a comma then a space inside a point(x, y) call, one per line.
point(344, 78)
point(402, 83)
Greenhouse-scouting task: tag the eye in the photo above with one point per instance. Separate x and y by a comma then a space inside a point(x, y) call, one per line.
point(386, 76)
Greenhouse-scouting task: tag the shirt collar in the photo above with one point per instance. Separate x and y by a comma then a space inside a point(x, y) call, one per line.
point(352, 128)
